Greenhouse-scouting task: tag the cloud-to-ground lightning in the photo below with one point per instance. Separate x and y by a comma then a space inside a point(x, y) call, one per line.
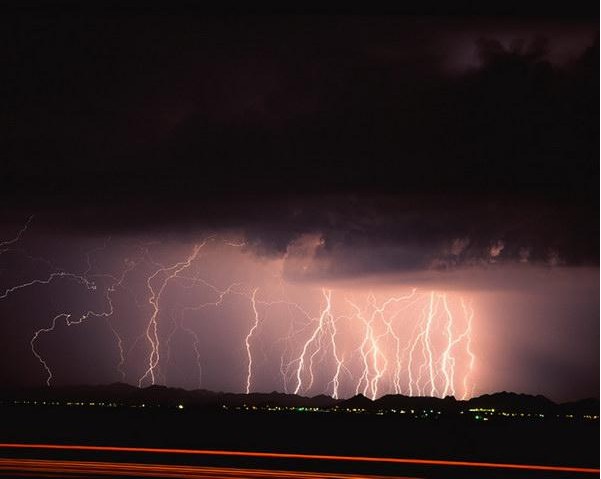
point(248, 338)
point(156, 292)
point(106, 314)
point(332, 340)
point(35, 338)
point(469, 313)
point(324, 327)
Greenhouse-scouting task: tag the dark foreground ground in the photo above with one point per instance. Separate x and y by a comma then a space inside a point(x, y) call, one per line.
point(499, 440)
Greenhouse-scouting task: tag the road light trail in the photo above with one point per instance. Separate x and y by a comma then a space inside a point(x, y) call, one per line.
point(50, 468)
point(314, 457)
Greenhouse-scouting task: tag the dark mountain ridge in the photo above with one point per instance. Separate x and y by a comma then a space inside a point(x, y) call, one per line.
point(157, 395)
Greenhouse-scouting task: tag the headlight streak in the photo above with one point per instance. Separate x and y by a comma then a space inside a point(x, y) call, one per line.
point(296, 457)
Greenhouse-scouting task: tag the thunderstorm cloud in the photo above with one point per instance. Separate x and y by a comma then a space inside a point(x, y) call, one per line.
point(360, 153)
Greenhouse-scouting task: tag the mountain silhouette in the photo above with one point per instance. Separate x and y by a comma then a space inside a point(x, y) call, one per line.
point(157, 395)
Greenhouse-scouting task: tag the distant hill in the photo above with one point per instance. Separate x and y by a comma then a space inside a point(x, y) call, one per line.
point(514, 402)
point(156, 395)
point(356, 402)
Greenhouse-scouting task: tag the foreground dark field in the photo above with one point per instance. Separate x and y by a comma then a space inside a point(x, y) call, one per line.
point(551, 442)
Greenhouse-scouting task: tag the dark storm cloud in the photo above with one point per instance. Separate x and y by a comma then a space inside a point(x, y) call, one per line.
point(404, 142)
point(358, 235)
point(383, 235)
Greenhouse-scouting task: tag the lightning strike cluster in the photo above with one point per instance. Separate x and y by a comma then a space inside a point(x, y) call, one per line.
point(337, 342)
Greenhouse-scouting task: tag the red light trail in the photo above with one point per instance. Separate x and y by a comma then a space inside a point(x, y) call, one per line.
point(49, 468)
point(315, 457)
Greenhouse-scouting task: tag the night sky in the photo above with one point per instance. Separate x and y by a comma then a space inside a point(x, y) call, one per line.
point(449, 151)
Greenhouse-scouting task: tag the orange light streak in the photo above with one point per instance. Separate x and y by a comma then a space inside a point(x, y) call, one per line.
point(320, 457)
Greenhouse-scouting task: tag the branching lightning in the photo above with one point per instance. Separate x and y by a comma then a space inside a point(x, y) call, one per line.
point(35, 338)
point(156, 292)
point(332, 341)
point(248, 338)
point(4, 245)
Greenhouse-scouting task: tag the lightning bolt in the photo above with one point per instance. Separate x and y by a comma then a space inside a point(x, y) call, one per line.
point(156, 292)
point(248, 338)
point(339, 360)
point(35, 338)
point(427, 343)
point(469, 313)
point(192, 282)
point(363, 349)
point(379, 311)
point(314, 341)
point(80, 279)
point(4, 244)
point(118, 281)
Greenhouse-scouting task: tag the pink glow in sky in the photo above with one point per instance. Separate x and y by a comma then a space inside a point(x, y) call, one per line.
point(213, 314)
